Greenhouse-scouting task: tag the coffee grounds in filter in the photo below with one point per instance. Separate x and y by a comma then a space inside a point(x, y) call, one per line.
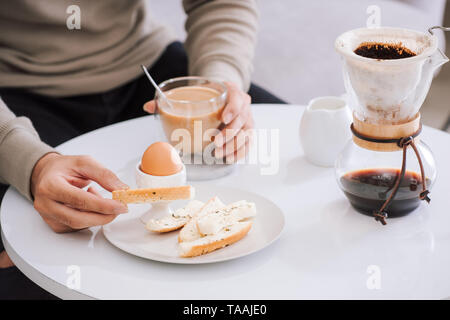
point(383, 51)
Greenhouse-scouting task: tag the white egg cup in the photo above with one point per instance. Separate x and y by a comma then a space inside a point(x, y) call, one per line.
point(158, 209)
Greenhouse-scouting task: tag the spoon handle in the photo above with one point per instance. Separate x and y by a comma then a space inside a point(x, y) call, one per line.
point(155, 85)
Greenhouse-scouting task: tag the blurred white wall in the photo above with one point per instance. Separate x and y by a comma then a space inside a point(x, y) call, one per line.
point(295, 57)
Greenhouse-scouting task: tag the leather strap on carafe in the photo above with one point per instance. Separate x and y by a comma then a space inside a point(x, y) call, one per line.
point(402, 143)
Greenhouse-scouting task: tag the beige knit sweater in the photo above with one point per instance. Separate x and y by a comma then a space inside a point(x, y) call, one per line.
point(42, 50)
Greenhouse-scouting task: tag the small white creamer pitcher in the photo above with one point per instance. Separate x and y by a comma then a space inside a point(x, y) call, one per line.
point(325, 129)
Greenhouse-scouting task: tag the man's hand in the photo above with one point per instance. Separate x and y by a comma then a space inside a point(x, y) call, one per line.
point(5, 261)
point(56, 184)
point(233, 141)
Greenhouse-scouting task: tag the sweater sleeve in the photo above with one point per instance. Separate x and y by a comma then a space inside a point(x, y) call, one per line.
point(221, 38)
point(20, 149)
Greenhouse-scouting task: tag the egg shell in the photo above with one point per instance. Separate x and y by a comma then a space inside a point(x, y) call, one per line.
point(161, 159)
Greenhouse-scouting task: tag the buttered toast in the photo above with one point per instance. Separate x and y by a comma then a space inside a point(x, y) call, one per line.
point(189, 231)
point(206, 227)
point(215, 226)
point(176, 220)
point(210, 243)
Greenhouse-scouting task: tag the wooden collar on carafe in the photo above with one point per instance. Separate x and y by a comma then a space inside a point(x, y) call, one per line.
point(370, 131)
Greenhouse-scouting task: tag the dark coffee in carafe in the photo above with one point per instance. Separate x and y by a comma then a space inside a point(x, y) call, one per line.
point(368, 189)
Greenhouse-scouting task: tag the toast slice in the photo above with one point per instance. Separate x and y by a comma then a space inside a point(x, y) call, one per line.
point(153, 194)
point(189, 232)
point(176, 220)
point(225, 237)
point(215, 221)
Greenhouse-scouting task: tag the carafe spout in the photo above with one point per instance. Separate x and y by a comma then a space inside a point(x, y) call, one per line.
point(438, 59)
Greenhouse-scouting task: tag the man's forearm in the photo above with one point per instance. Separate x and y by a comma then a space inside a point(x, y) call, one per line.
point(20, 149)
point(221, 39)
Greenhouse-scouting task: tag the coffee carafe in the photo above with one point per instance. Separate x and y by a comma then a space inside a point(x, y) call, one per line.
point(386, 170)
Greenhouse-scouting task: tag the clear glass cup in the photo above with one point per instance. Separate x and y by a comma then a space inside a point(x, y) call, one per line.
point(190, 118)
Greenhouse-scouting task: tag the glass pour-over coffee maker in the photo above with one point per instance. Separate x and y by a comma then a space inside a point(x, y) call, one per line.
point(386, 170)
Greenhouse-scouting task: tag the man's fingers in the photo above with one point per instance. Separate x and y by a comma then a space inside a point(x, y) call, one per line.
point(93, 170)
point(234, 104)
point(232, 129)
point(78, 182)
point(150, 106)
point(72, 218)
point(83, 200)
point(231, 146)
point(55, 225)
point(94, 191)
point(239, 154)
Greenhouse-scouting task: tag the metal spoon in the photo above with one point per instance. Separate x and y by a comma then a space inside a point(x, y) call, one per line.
point(161, 93)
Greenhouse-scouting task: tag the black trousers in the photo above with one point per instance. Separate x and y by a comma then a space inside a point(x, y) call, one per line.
point(60, 119)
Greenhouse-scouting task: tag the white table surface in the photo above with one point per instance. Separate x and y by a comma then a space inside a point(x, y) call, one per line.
point(324, 252)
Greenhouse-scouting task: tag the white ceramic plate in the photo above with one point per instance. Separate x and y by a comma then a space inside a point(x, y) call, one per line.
point(128, 233)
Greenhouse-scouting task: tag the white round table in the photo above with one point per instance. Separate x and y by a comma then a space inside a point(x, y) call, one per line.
point(327, 249)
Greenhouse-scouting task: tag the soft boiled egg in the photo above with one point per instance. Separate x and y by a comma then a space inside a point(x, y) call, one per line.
point(161, 159)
